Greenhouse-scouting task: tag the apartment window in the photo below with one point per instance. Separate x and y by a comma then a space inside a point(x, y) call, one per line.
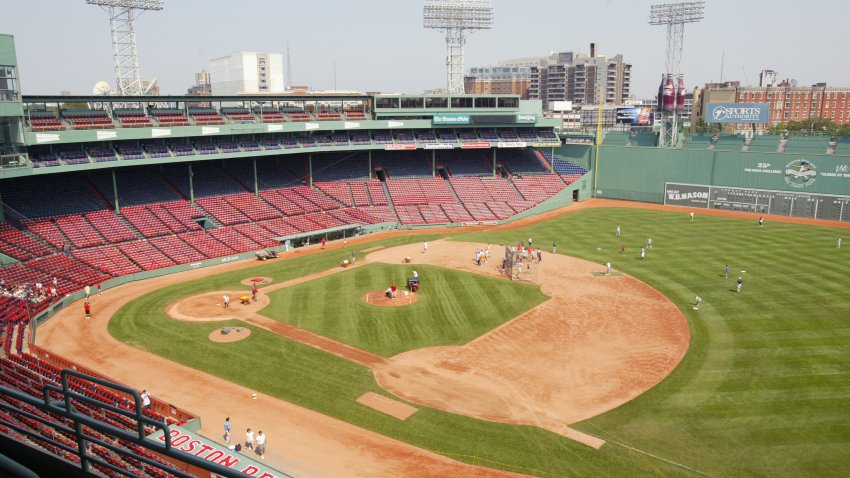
point(785, 115)
point(833, 104)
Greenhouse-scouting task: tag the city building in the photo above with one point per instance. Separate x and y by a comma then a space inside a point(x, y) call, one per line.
point(787, 103)
point(578, 77)
point(202, 85)
point(508, 80)
point(247, 72)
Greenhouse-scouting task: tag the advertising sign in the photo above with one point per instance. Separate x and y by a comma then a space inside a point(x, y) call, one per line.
point(439, 146)
point(634, 116)
point(686, 195)
point(450, 118)
point(475, 145)
point(511, 144)
point(399, 147)
point(749, 113)
point(526, 118)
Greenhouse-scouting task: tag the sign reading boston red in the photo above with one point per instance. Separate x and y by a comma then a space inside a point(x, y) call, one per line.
point(755, 113)
point(190, 444)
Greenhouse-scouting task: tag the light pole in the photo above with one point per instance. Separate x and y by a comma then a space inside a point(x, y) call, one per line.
point(456, 18)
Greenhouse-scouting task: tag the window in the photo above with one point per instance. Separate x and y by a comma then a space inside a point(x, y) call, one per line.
point(485, 102)
point(387, 103)
point(508, 103)
point(436, 102)
point(412, 103)
point(785, 115)
point(8, 83)
point(462, 102)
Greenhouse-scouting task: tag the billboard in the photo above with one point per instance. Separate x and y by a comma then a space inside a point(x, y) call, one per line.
point(634, 116)
point(755, 113)
point(450, 118)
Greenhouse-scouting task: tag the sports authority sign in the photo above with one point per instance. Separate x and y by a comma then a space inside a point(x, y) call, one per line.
point(749, 113)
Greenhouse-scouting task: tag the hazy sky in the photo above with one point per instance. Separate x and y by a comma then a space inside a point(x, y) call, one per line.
point(380, 45)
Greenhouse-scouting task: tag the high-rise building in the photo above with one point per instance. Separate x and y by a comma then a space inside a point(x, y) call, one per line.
point(247, 72)
point(202, 85)
point(767, 78)
point(498, 80)
point(579, 78)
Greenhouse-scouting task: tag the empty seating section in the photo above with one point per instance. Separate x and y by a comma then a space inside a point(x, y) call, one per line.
point(355, 114)
point(268, 144)
point(467, 136)
point(290, 204)
point(205, 148)
point(340, 167)
point(446, 137)
point(807, 144)
point(156, 150)
point(169, 117)
point(480, 211)
point(205, 116)
point(522, 161)
point(269, 115)
point(102, 154)
point(539, 188)
point(110, 227)
point(222, 210)
point(233, 239)
point(360, 193)
point(426, 137)
point(257, 233)
point(527, 135)
point(185, 215)
point(404, 137)
point(226, 147)
point(206, 244)
point(403, 166)
point(130, 152)
point(107, 259)
point(298, 116)
point(22, 242)
point(88, 119)
point(729, 143)
point(480, 190)
point(74, 157)
point(383, 137)
point(328, 116)
point(176, 250)
point(207, 180)
point(131, 118)
point(249, 145)
point(306, 140)
point(181, 149)
point(376, 193)
point(59, 265)
point(238, 115)
point(698, 141)
point(508, 136)
point(42, 120)
point(433, 214)
point(340, 139)
point(359, 139)
point(455, 212)
point(500, 209)
point(81, 233)
point(145, 255)
point(47, 230)
point(488, 135)
point(409, 215)
point(766, 144)
point(289, 142)
point(339, 191)
point(462, 164)
point(252, 207)
point(44, 160)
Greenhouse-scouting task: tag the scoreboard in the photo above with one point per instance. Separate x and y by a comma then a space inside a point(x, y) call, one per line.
point(781, 203)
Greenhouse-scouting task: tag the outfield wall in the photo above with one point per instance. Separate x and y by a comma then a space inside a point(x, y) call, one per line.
point(639, 174)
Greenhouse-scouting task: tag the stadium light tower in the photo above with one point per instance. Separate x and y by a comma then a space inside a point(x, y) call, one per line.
point(671, 98)
point(456, 18)
point(128, 80)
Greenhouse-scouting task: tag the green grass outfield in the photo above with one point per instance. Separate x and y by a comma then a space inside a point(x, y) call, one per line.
point(763, 391)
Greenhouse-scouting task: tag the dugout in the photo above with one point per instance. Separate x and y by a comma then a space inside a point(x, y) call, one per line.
point(302, 239)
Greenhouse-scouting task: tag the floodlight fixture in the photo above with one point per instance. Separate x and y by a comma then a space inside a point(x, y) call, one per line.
point(671, 97)
point(122, 13)
point(456, 18)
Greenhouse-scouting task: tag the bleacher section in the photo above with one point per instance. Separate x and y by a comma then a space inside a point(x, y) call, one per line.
point(88, 119)
point(460, 163)
point(205, 116)
point(522, 161)
point(169, 117)
point(131, 118)
point(43, 120)
point(807, 144)
point(765, 144)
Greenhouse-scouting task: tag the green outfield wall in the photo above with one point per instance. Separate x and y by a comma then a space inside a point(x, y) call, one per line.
point(639, 174)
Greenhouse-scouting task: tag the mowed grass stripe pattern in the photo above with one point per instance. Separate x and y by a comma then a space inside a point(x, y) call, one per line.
point(765, 387)
point(453, 307)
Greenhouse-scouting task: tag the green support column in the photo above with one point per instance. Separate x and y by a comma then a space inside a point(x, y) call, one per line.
point(370, 164)
point(552, 159)
point(115, 192)
point(310, 169)
point(3, 215)
point(256, 180)
point(433, 163)
point(191, 185)
point(494, 162)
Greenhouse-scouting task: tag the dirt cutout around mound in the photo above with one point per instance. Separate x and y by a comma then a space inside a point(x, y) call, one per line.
point(379, 298)
point(235, 334)
point(258, 281)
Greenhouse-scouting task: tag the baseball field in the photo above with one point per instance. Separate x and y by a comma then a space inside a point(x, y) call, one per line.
point(757, 385)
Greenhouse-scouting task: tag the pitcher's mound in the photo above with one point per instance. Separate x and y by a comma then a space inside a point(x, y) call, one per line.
point(379, 298)
point(234, 334)
point(258, 281)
